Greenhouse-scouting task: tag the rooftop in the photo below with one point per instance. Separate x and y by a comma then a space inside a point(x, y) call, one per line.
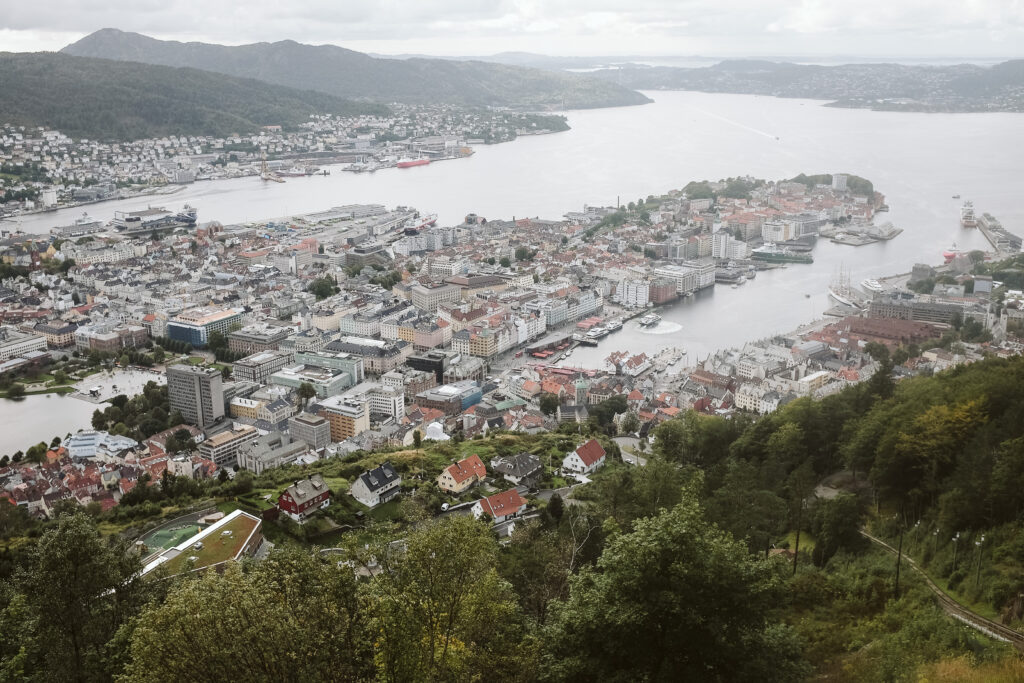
point(220, 542)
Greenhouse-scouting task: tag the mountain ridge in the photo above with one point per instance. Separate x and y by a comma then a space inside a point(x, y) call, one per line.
point(354, 75)
point(112, 100)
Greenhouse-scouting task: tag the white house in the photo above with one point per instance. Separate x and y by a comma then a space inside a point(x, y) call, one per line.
point(376, 486)
point(585, 459)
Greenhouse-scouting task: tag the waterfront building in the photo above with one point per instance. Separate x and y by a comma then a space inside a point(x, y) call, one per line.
point(689, 276)
point(196, 393)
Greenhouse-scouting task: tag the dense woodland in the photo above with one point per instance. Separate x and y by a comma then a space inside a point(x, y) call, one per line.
point(661, 573)
point(109, 100)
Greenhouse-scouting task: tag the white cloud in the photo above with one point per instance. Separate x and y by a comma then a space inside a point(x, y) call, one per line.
point(733, 27)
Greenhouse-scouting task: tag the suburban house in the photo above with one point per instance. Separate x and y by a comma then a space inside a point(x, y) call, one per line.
point(305, 497)
point(585, 459)
point(458, 477)
point(376, 486)
point(524, 468)
point(500, 506)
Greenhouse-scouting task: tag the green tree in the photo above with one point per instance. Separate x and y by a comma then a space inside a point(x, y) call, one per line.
point(675, 600)
point(305, 392)
point(440, 610)
point(16, 390)
point(322, 287)
point(549, 403)
point(505, 262)
point(159, 354)
point(77, 590)
point(630, 423)
point(293, 617)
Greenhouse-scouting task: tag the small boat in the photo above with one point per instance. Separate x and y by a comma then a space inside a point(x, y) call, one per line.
point(956, 196)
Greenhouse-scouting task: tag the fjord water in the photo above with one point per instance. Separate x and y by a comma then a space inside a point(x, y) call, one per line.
point(917, 160)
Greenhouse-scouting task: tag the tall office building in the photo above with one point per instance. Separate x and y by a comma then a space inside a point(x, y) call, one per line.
point(196, 393)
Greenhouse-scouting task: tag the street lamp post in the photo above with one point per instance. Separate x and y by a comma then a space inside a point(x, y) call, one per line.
point(981, 552)
point(955, 548)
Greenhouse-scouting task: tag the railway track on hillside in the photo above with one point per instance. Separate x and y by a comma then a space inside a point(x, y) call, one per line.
point(993, 629)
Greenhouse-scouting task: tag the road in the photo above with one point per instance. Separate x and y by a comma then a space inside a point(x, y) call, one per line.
point(628, 447)
point(990, 628)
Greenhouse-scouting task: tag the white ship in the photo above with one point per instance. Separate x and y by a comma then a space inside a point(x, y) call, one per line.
point(870, 285)
point(841, 292)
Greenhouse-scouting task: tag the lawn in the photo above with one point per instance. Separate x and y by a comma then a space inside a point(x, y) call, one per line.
point(807, 541)
point(196, 360)
point(217, 547)
point(388, 512)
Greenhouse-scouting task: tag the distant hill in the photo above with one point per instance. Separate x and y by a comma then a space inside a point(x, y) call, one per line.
point(959, 87)
point(355, 75)
point(109, 100)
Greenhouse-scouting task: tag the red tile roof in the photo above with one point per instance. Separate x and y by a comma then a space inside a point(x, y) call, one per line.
point(469, 467)
point(590, 452)
point(503, 504)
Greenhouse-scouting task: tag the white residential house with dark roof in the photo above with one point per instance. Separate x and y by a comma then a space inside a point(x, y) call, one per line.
point(376, 486)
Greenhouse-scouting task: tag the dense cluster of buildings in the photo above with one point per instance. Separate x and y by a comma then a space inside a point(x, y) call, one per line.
point(362, 326)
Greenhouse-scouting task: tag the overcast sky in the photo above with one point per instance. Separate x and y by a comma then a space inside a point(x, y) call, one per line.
point(867, 28)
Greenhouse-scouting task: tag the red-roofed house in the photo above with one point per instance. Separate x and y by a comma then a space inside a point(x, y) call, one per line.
point(500, 506)
point(585, 459)
point(459, 476)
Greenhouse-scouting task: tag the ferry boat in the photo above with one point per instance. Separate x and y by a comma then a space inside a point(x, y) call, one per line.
point(298, 171)
point(409, 163)
point(423, 222)
point(614, 325)
point(650, 320)
point(872, 285)
point(773, 253)
point(148, 220)
point(951, 253)
point(597, 332)
point(967, 219)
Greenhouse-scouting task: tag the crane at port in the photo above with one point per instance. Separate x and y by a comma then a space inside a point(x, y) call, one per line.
point(266, 173)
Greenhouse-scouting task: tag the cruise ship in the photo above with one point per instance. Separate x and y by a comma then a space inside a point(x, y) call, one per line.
point(82, 226)
point(967, 219)
point(148, 220)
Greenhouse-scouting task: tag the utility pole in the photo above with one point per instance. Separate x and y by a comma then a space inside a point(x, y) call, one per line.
point(796, 549)
point(981, 553)
point(899, 561)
